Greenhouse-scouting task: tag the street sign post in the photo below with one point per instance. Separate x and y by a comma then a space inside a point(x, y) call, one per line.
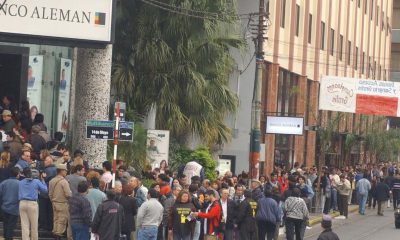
point(99, 129)
point(104, 130)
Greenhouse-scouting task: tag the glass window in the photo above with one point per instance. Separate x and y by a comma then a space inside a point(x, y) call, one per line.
point(298, 19)
point(309, 28)
point(332, 41)
point(322, 35)
point(283, 10)
point(349, 52)
point(356, 60)
point(341, 47)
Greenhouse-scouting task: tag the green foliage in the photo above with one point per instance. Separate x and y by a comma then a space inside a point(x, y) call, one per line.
point(147, 182)
point(178, 65)
point(178, 155)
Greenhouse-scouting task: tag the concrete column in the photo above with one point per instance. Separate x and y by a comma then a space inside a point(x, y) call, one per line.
point(300, 112)
point(92, 99)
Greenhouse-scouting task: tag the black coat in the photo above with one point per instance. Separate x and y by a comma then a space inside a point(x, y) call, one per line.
point(246, 218)
point(130, 211)
point(108, 221)
point(381, 192)
point(232, 213)
point(327, 234)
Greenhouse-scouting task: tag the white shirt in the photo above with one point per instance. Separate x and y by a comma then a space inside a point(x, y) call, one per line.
point(224, 206)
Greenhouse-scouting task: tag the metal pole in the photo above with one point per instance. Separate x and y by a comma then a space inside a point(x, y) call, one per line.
point(256, 103)
point(116, 136)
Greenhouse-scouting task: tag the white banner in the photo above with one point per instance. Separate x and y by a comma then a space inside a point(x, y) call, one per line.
point(157, 147)
point(64, 93)
point(35, 73)
point(285, 125)
point(73, 19)
point(363, 96)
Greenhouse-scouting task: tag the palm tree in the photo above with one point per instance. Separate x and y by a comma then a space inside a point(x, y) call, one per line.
point(177, 64)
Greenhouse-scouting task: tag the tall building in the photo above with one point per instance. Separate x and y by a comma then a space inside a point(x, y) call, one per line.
point(307, 40)
point(395, 54)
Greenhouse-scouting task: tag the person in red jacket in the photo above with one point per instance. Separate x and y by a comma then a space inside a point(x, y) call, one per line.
point(212, 215)
point(283, 181)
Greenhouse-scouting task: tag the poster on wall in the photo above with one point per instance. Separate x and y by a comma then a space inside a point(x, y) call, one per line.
point(35, 74)
point(63, 97)
point(157, 148)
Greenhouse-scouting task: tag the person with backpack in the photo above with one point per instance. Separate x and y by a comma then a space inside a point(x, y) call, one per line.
point(246, 218)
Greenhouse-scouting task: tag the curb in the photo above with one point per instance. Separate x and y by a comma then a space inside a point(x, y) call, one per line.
point(316, 220)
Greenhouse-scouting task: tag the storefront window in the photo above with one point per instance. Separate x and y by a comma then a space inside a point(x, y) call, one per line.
point(43, 77)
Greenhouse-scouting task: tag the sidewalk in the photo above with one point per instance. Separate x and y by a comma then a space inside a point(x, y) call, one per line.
point(316, 218)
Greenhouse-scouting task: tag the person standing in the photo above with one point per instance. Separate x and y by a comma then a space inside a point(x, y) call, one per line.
point(28, 206)
point(396, 190)
point(149, 217)
point(335, 180)
point(246, 218)
point(80, 213)
point(59, 193)
point(327, 234)
point(363, 187)
point(45, 207)
point(128, 203)
point(181, 224)
point(296, 212)
point(76, 177)
point(10, 203)
point(228, 207)
point(344, 190)
point(381, 194)
point(268, 215)
point(212, 215)
point(109, 218)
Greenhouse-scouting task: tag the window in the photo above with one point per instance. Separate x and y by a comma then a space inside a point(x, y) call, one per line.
point(298, 19)
point(341, 47)
point(365, 6)
point(283, 10)
point(387, 26)
point(349, 52)
point(359, 3)
point(267, 7)
point(372, 9)
point(322, 35)
point(356, 60)
point(332, 41)
point(377, 16)
point(363, 63)
point(309, 28)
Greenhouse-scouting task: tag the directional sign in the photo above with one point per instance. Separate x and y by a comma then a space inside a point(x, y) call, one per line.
point(98, 129)
point(126, 131)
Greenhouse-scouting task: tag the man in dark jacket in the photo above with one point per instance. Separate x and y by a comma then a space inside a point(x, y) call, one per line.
point(246, 218)
point(257, 190)
point(108, 219)
point(327, 234)
point(381, 195)
point(229, 213)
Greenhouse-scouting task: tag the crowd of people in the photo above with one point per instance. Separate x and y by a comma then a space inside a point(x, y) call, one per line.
point(49, 187)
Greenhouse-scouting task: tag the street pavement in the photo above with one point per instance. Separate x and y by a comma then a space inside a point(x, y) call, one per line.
point(357, 227)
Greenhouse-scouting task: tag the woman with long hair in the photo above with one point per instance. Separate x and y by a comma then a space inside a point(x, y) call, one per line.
point(130, 209)
point(181, 224)
point(4, 165)
point(163, 166)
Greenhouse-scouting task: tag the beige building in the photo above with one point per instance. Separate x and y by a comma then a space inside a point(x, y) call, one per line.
point(308, 39)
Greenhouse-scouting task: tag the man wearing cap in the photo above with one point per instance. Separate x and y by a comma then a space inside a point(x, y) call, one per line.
point(256, 190)
point(8, 122)
point(59, 193)
point(327, 234)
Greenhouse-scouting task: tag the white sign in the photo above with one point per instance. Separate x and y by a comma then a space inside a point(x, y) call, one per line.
point(224, 165)
point(363, 96)
point(157, 147)
point(285, 125)
point(35, 72)
point(71, 19)
point(63, 96)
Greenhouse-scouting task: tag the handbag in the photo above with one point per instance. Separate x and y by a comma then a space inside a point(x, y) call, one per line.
point(211, 237)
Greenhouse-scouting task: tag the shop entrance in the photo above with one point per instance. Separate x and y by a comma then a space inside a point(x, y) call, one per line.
point(13, 72)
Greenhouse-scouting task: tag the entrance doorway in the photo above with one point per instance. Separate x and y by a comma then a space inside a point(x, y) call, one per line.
point(13, 72)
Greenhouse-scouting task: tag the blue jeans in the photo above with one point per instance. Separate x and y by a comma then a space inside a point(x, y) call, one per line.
point(334, 199)
point(148, 233)
point(362, 201)
point(80, 231)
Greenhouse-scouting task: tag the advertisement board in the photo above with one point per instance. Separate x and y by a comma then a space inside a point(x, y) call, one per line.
point(89, 20)
point(35, 73)
point(285, 125)
point(362, 96)
point(63, 96)
point(157, 147)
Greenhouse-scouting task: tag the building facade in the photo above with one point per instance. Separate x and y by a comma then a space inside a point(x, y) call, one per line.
point(311, 39)
point(307, 40)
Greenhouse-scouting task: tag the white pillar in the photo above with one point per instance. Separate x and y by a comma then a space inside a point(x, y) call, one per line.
point(92, 100)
